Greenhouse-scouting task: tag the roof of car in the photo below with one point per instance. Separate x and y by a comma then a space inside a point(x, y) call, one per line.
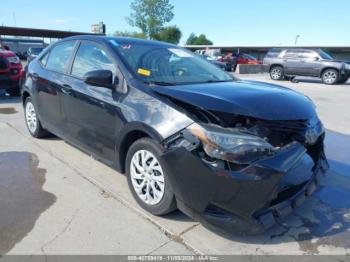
point(123, 40)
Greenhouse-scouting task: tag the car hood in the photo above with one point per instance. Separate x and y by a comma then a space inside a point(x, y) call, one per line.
point(246, 98)
point(5, 53)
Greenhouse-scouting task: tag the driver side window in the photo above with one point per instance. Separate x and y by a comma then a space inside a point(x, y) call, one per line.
point(91, 57)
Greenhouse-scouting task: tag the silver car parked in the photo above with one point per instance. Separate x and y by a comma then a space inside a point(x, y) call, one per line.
point(287, 63)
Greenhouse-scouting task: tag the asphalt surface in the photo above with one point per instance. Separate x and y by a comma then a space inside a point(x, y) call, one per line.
point(54, 199)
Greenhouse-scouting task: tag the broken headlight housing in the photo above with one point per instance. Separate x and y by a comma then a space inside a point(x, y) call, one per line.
point(231, 144)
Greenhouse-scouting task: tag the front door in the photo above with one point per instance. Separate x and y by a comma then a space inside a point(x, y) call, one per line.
point(311, 64)
point(292, 63)
point(92, 115)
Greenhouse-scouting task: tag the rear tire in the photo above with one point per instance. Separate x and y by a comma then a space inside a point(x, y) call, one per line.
point(147, 177)
point(330, 76)
point(32, 120)
point(277, 73)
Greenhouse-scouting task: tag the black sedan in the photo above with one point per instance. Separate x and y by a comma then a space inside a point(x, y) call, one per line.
point(230, 153)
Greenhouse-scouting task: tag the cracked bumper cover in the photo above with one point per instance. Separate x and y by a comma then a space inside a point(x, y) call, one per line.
point(239, 201)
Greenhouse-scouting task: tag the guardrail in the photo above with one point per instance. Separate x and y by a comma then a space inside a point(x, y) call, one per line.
point(251, 69)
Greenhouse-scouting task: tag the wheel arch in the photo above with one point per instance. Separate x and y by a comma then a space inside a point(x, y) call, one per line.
point(25, 95)
point(131, 133)
point(329, 67)
point(275, 64)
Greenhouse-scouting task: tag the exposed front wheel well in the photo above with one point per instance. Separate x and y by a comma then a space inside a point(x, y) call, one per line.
point(128, 140)
point(25, 96)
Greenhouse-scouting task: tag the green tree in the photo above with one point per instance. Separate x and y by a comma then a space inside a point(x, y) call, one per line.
point(170, 34)
point(191, 39)
point(150, 16)
point(130, 34)
point(198, 40)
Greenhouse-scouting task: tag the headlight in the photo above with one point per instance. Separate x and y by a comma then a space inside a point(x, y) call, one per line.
point(347, 66)
point(230, 144)
point(14, 59)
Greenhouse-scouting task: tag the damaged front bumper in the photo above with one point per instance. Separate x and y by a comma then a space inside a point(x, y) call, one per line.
point(249, 200)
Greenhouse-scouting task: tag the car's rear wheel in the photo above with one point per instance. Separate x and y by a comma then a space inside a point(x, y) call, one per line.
point(147, 177)
point(32, 121)
point(330, 76)
point(277, 73)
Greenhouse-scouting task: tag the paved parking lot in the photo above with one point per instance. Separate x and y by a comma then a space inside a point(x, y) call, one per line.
point(54, 199)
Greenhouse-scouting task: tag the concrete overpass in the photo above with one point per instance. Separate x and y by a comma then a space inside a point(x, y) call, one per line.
point(33, 32)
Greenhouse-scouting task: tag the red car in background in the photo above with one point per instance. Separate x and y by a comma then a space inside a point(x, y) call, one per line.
point(245, 59)
point(10, 72)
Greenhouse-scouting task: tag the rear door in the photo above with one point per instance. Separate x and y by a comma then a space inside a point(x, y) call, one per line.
point(50, 84)
point(292, 62)
point(92, 112)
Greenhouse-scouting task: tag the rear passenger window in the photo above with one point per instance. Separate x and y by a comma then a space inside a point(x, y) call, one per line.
point(291, 54)
point(59, 57)
point(308, 55)
point(90, 57)
point(273, 53)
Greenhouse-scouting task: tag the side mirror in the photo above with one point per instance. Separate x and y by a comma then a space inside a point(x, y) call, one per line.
point(317, 58)
point(101, 78)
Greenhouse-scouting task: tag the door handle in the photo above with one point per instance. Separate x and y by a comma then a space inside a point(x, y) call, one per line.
point(66, 89)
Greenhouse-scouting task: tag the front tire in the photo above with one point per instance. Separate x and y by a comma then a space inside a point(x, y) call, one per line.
point(330, 76)
point(277, 73)
point(32, 120)
point(147, 177)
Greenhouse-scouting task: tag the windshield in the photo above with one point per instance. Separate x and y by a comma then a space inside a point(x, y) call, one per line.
point(166, 65)
point(246, 56)
point(325, 55)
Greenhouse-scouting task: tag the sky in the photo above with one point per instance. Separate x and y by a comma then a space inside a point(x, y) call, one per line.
point(225, 22)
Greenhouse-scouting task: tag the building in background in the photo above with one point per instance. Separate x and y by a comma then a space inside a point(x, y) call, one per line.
point(99, 28)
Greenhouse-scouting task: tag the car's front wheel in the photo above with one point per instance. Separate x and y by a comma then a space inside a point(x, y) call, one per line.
point(147, 177)
point(32, 121)
point(330, 76)
point(277, 73)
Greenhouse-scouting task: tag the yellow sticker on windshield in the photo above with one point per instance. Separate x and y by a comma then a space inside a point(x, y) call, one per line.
point(144, 72)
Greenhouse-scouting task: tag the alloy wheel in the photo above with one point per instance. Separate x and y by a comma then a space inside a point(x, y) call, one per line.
point(276, 73)
point(147, 177)
point(31, 117)
point(330, 77)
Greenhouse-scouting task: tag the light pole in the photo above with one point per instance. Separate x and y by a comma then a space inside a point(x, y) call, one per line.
point(296, 39)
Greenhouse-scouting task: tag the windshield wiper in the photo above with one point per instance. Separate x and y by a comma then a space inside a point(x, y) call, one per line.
point(160, 83)
point(217, 81)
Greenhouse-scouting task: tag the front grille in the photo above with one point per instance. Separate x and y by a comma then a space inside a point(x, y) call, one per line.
point(280, 133)
point(3, 64)
point(291, 125)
